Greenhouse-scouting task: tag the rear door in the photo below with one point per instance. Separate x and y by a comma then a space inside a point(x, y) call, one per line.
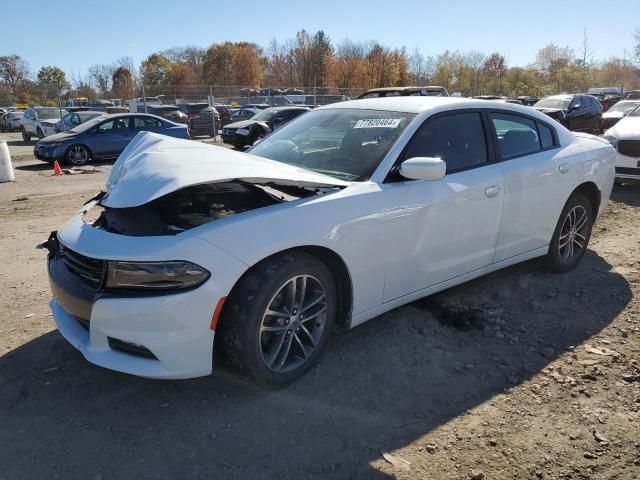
point(535, 189)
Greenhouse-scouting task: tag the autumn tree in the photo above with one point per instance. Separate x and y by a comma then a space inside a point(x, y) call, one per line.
point(123, 84)
point(14, 71)
point(495, 68)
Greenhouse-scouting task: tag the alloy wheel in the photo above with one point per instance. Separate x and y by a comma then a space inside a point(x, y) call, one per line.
point(574, 233)
point(78, 155)
point(293, 323)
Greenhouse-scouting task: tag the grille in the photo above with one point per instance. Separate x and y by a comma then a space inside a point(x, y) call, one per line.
point(630, 148)
point(89, 270)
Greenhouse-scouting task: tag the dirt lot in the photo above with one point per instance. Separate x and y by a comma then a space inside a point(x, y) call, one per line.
point(521, 374)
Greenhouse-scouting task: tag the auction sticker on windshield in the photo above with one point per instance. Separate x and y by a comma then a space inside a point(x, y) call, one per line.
point(378, 123)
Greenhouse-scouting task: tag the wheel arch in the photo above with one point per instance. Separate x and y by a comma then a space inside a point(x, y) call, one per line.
point(337, 266)
point(592, 192)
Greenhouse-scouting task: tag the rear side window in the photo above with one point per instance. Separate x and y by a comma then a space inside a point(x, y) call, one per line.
point(546, 136)
point(458, 139)
point(517, 135)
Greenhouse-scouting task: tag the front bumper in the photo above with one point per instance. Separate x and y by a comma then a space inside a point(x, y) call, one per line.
point(44, 152)
point(627, 167)
point(164, 336)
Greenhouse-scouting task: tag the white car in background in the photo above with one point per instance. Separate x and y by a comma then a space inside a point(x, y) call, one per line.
point(617, 112)
point(40, 122)
point(346, 212)
point(11, 121)
point(625, 138)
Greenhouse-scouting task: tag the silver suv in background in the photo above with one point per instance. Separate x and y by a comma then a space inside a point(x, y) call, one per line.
point(40, 121)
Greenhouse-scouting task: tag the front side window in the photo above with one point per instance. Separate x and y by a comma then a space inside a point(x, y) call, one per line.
point(458, 139)
point(346, 143)
point(115, 124)
point(517, 135)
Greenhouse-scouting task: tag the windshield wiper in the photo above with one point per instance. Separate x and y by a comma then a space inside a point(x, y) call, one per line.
point(333, 173)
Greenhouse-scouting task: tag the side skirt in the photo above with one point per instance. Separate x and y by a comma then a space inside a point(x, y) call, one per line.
point(391, 304)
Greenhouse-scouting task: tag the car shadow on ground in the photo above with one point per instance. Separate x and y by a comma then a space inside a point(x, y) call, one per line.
point(20, 143)
point(38, 167)
point(627, 193)
point(378, 387)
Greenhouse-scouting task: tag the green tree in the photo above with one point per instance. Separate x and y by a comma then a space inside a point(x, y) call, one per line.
point(51, 75)
point(154, 69)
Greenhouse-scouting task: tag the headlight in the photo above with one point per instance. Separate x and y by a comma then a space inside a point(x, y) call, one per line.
point(171, 275)
point(242, 131)
point(612, 140)
point(54, 144)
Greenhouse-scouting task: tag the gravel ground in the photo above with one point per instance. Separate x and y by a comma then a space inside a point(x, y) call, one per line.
point(520, 374)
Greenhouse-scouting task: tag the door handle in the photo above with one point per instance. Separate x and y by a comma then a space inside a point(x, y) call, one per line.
point(563, 167)
point(492, 191)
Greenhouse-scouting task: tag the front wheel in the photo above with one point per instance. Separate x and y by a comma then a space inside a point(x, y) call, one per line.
point(572, 234)
point(25, 136)
point(277, 318)
point(77, 155)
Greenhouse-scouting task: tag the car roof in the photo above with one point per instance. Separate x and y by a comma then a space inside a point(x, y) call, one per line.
point(296, 107)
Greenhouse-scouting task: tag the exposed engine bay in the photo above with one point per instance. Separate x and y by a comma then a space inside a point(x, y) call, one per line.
point(193, 206)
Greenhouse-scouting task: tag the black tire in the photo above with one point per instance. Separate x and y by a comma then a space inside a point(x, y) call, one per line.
point(560, 259)
point(25, 136)
point(239, 333)
point(596, 128)
point(39, 133)
point(73, 156)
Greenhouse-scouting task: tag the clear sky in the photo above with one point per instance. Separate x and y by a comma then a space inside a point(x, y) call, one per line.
point(75, 34)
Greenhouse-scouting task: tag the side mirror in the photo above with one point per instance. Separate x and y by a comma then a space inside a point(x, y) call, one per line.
point(574, 107)
point(423, 168)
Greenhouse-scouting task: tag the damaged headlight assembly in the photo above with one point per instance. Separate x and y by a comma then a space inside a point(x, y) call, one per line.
point(170, 275)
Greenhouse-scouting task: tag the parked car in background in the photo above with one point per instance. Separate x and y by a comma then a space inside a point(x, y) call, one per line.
point(247, 132)
point(258, 106)
point(40, 121)
point(618, 112)
point(170, 112)
point(244, 113)
point(203, 119)
point(632, 95)
point(353, 209)
point(429, 91)
point(625, 138)
point(73, 119)
point(224, 113)
point(103, 137)
point(527, 100)
point(11, 121)
point(498, 98)
point(140, 102)
point(577, 112)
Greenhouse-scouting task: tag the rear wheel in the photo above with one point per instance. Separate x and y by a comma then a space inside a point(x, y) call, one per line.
point(277, 319)
point(25, 136)
point(597, 126)
point(77, 155)
point(572, 234)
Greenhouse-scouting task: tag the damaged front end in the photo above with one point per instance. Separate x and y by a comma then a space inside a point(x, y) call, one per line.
point(191, 207)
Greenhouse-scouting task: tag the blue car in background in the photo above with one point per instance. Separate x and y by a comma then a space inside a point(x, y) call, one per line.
point(103, 137)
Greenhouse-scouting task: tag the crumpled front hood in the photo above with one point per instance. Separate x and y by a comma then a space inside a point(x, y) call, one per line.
point(154, 165)
point(550, 111)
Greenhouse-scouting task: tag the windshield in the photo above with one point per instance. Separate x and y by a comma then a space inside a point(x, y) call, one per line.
point(265, 115)
point(624, 107)
point(636, 112)
point(348, 144)
point(561, 103)
point(49, 113)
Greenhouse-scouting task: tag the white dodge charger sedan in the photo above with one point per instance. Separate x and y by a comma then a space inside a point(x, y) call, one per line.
point(349, 211)
point(625, 138)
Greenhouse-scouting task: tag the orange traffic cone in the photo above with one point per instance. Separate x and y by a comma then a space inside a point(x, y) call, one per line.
point(56, 169)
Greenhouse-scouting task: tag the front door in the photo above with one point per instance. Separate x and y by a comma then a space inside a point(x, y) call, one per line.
point(440, 230)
